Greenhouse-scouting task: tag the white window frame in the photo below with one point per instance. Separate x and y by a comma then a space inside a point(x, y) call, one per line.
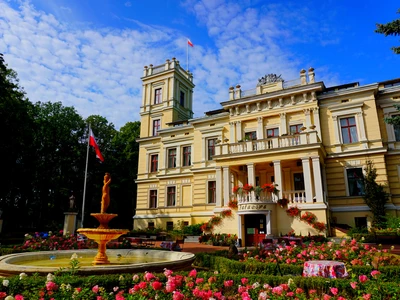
point(346, 180)
point(352, 110)
point(166, 198)
point(215, 191)
point(149, 206)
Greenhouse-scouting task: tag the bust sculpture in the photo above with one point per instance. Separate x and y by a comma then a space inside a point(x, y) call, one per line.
point(105, 198)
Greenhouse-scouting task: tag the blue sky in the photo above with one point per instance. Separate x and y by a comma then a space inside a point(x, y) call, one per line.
point(90, 54)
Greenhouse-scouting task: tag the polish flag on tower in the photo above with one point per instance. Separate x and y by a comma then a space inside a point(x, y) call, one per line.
point(190, 43)
point(93, 143)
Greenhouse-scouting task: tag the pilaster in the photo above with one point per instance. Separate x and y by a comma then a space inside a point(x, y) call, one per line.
point(307, 179)
point(227, 187)
point(317, 179)
point(218, 187)
point(278, 176)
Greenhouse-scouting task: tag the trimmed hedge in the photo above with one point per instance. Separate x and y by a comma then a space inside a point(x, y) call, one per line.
point(218, 262)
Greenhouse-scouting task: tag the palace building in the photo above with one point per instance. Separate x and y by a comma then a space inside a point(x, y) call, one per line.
point(310, 141)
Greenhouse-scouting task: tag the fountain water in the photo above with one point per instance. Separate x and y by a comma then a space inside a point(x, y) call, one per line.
point(123, 260)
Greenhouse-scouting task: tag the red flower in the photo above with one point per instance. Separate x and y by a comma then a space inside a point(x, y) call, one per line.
point(247, 188)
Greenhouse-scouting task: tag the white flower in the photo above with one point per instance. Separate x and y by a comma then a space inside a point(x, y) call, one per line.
point(121, 277)
point(22, 276)
point(6, 282)
point(215, 272)
point(255, 285)
point(290, 282)
point(50, 277)
point(74, 256)
point(9, 298)
point(115, 288)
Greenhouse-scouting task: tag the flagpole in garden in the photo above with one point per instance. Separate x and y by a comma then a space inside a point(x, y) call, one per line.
point(84, 185)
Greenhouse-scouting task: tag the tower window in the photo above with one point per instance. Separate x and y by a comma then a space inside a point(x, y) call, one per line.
point(157, 96)
point(182, 99)
point(156, 127)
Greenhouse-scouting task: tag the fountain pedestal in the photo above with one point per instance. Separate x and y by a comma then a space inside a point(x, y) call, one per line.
point(102, 235)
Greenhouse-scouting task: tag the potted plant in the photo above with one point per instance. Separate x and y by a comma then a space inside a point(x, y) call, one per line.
point(283, 202)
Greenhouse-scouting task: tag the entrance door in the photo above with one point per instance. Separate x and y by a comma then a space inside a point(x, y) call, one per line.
point(255, 226)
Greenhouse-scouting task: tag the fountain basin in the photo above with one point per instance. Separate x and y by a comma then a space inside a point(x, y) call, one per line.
point(120, 262)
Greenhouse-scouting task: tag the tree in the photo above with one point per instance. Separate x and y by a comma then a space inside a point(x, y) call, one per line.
point(390, 28)
point(58, 155)
point(16, 145)
point(375, 196)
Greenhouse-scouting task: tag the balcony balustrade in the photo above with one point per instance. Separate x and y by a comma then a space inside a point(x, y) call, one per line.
point(298, 196)
point(279, 142)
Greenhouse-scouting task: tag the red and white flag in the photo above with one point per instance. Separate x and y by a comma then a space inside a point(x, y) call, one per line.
point(190, 43)
point(93, 143)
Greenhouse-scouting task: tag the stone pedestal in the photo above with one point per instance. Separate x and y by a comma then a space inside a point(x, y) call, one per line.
point(70, 222)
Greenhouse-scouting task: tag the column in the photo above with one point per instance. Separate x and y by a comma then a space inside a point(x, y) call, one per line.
point(317, 179)
point(227, 186)
point(360, 118)
point(251, 179)
point(218, 186)
point(232, 132)
point(317, 122)
point(260, 128)
point(283, 128)
point(278, 176)
point(268, 225)
point(239, 130)
point(308, 118)
point(307, 179)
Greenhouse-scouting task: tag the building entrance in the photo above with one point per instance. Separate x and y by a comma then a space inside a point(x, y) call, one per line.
point(255, 229)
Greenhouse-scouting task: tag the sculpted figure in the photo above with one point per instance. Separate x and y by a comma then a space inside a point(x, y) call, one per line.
point(105, 199)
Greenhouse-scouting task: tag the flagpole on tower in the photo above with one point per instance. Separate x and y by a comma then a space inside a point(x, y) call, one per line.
point(84, 185)
point(187, 56)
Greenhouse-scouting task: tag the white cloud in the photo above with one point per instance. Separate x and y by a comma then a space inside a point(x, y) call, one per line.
point(98, 70)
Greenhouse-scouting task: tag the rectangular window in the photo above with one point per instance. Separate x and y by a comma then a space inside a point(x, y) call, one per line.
point(153, 199)
point(187, 156)
point(170, 226)
point(349, 130)
point(154, 163)
point(361, 222)
point(355, 181)
point(252, 135)
point(171, 196)
point(212, 195)
point(211, 148)
point(396, 129)
point(156, 127)
point(150, 225)
point(157, 96)
point(182, 99)
point(273, 132)
point(295, 128)
point(172, 158)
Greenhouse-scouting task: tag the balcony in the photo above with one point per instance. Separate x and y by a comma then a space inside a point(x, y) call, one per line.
point(304, 138)
point(267, 201)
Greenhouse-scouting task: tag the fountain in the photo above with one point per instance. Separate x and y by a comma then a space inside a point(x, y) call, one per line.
point(120, 261)
point(102, 234)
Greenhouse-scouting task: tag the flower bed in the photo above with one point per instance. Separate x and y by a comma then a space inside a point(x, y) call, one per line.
point(197, 285)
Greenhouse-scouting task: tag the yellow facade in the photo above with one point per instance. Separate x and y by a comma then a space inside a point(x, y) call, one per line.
point(313, 142)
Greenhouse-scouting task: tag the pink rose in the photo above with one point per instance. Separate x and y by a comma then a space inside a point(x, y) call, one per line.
point(156, 285)
point(95, 289)
point(375, 273)
point(334, 291)
point(362, 278)
point(353, 285)
point(366, 296)
point(193, 273)
point(244, 280)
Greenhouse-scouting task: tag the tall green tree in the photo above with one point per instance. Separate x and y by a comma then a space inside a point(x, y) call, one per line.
point(391, 28)
point(16, 145)
point(59, 155)
point(375, 197)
